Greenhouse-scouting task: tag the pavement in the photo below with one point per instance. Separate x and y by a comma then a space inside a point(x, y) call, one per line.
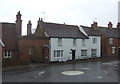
point(32, 66)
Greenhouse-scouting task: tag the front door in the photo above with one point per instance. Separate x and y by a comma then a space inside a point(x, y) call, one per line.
point(73, 54)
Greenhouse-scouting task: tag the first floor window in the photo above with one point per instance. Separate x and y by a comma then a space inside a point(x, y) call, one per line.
point(59, 41)
point(113, 50)
point(83, 52)
point(7, 54)
point(74, 42)
point(111, 40)
point(83, 42)
point(94, 52)
point(58, 53)
point(94, 40)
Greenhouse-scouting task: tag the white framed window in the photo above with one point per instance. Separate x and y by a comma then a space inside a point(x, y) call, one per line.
point(83, 42)
point(94, 40)
point(7, 54)
point(93, 52)
point(83, 52)
point(110, 40)
point(113, 50)
point(74, 42)
point(58, 53)
point(59, 41)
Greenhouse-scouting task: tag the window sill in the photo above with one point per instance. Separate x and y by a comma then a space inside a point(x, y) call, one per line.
point(74, 45)
point(59, 45)
point(6, 57)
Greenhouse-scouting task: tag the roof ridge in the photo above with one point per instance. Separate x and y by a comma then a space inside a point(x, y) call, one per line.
point(60, 24)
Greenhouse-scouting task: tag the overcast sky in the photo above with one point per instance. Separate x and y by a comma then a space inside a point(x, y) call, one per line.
point(73, 12)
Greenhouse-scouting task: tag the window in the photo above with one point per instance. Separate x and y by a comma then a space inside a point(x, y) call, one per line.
point(59, 41)
point(94, 40)
point(74, 42)
point(94, 52)
point(58, 53)
point(83, 42)
point(113, 50)
point(111, 40)
point(7, 54)
point(83, 52)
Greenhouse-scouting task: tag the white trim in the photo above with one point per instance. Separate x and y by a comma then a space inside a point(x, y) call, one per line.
point(2, 43)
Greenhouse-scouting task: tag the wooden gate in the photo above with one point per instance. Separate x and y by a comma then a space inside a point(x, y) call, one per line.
point(37, 54)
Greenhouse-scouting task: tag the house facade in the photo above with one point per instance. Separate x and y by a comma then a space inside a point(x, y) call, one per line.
point(110, 38)
point(94, 42)
point(67, 42)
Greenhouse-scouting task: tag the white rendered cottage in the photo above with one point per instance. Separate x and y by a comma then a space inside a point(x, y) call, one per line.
point(66, 42)
point(94, 42)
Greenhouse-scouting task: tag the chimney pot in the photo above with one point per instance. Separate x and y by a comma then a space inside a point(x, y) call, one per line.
point(118, 25)
point(110, 25)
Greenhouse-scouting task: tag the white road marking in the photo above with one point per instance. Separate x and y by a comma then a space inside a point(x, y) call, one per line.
point(99, 77)
point(72, 73)
point(40, 73)
point(86, 68)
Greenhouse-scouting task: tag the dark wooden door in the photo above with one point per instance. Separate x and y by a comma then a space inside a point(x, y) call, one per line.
point(73, 54)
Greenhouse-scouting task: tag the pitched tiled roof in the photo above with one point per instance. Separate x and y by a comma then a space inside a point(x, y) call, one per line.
point(62, 30)
point(110, 32)
point(91, 31)
point(9, 36)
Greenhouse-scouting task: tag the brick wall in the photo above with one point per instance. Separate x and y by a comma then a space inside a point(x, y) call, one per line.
point(32, 50)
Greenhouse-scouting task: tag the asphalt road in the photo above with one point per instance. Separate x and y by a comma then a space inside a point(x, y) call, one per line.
point(97, 71)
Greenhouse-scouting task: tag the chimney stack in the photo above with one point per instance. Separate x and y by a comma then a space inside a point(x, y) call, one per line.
point(110, 25)
point(118, 25)
point(29, 26)
point(18, 24)
point(94, 25)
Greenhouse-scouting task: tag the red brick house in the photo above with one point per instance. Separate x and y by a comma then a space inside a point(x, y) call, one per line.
point(9, 38)
point(110, 40)
point(10, 34)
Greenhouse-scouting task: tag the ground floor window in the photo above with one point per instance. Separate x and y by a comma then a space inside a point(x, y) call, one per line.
point(7, 54)
point(58, 53)
point(83, 52)
point(93, 52)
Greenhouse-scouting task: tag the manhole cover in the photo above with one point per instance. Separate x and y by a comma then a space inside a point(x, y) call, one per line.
point(72, 72)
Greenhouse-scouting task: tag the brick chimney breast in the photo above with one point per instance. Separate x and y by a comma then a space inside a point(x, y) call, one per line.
point(110, 25)
point(29, 26)
point(18, 24)
point(94, 25)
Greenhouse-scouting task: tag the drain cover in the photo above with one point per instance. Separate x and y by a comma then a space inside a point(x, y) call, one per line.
point(72, 73)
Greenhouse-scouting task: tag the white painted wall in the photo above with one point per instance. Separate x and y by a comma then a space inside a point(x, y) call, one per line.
point(67, 45)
